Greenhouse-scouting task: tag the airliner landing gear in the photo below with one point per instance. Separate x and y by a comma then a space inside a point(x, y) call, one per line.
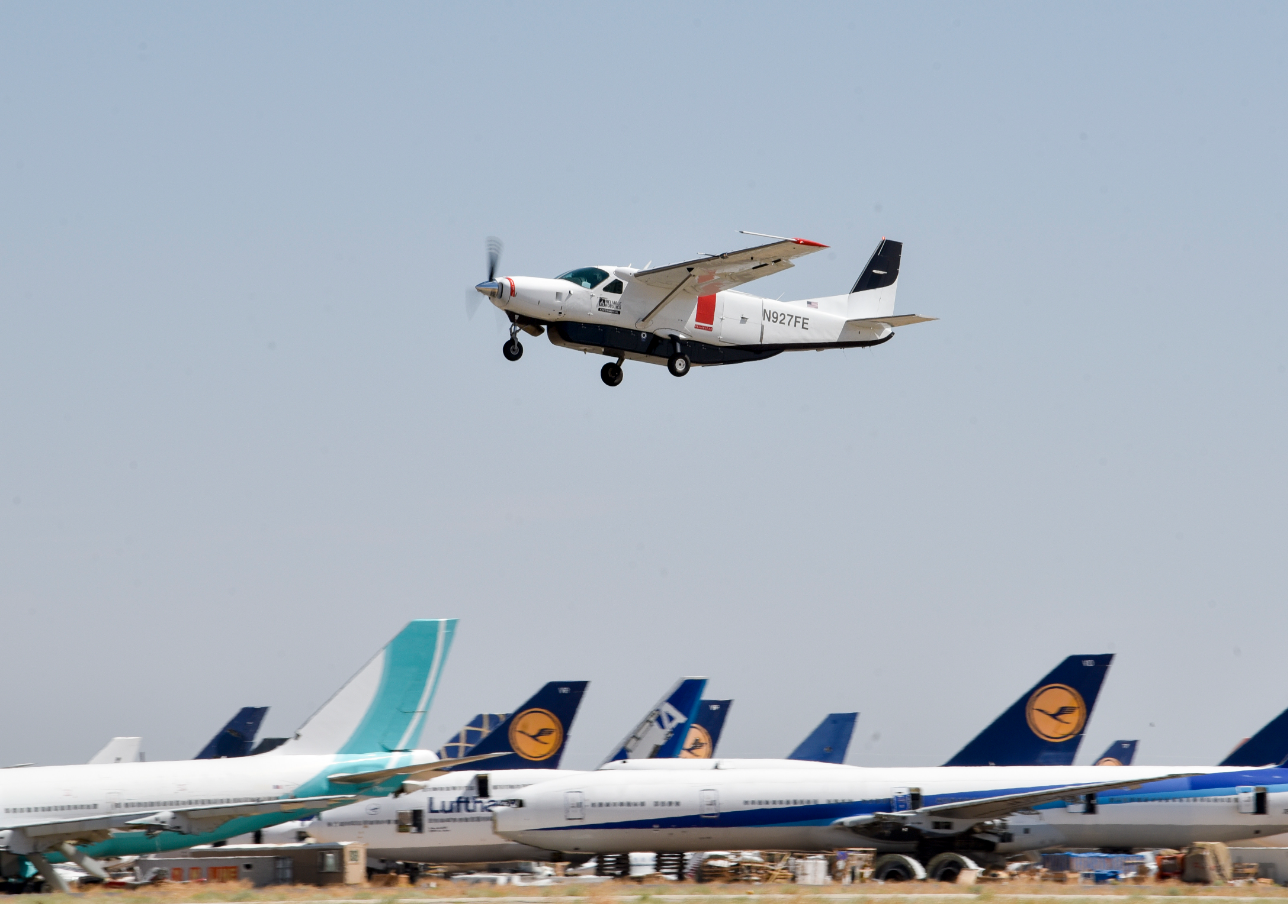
point(946, 867)
point(611, 373)
point(678, 365)
point(898, 868)
point(513, 349)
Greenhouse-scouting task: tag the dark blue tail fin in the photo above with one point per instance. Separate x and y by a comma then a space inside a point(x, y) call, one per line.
point(475, 730)
point(1045, 726)
point(535, 736)
point(1267, 747)
point(237, 737)
point(829, 742)
point(704, 733)
point(1120, 753)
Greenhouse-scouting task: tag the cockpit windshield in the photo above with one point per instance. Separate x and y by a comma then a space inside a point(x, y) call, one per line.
point(586, 277)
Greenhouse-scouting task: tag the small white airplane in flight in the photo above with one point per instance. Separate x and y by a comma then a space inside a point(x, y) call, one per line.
point(690, 314)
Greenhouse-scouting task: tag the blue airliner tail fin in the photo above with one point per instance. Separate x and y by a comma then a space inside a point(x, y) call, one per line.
point(829, 742)
point(535, 735)
point(475, 730)
point(704, 734)
point(237, 737)
point(664, 730)
point(1269, 746)
point(1120, 753)
point(1045, 726)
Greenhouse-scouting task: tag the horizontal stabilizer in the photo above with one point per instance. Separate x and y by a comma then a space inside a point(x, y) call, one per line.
point(895, 319)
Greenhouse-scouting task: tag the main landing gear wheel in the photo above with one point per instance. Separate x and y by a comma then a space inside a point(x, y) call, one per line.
point(611, 374)
point(678, 365)
point(898, 868)
point(513, 349)
point(948, 866)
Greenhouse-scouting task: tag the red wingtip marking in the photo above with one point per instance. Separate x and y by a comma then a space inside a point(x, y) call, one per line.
point(808, 242)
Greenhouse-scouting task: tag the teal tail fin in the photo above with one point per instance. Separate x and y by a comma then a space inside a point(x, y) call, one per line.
point(383, 707)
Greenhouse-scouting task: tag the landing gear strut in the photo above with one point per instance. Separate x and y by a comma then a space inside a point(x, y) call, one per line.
point(611, 373)
point(513, 348)
point(678, 364)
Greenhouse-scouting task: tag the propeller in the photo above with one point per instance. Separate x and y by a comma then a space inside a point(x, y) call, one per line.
point(474, 296)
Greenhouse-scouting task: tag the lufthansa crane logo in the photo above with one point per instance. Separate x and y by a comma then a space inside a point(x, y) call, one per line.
point(1056, 712)
point(535, 734)
point(697, 744)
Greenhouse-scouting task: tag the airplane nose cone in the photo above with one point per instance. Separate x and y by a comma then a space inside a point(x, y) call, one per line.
point(491, 288)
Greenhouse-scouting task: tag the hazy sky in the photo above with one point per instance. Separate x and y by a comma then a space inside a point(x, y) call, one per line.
point(247, 431)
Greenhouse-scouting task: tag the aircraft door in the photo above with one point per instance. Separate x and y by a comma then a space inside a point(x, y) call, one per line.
point(740, 319)
point(905, 799)
point(574, 805)
point(709, 802)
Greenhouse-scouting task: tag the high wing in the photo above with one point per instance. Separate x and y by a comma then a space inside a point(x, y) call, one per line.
point(421, 771)
point(709, 275)
point(1002, 805)
point(185, 820)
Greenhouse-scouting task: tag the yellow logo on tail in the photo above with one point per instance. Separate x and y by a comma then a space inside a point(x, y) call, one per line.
point(1056, 712)
point(697, 744)
point(536, 734)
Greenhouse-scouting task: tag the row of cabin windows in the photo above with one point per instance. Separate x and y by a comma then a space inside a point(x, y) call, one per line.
point(136, 805)
point(51, 809)
point(778, 803)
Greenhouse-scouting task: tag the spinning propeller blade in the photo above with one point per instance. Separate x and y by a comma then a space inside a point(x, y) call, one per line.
point(494, 247)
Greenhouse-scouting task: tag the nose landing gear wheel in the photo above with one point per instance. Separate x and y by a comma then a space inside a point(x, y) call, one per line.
point(513, 349)
point(678, 365)
point(611, 374)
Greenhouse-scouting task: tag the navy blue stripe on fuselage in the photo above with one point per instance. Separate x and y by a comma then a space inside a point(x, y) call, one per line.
point(1220, 784)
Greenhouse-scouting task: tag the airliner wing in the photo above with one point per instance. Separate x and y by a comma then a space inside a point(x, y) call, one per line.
point(197, 820)
point(1002, 805)
point(423, 770)
point(708, 275)
point(186, 820)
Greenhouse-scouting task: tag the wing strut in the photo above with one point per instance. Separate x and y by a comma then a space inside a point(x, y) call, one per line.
point(648, 318)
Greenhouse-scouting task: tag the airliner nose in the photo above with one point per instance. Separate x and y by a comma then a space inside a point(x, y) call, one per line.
point(491, 288)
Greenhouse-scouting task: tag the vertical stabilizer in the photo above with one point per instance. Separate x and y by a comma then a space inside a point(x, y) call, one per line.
point(119, 750)
point(237, 737)
point(475, 730)
point(1120, 753)
point(1268, 747)
point(665, 728)
point(830, 741)
point(1045, 726)
point(704, 734)
point(383, 707)
point(874, 290)
point(535, 736)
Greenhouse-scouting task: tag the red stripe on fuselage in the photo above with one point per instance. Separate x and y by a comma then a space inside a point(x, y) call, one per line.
point(705, 317)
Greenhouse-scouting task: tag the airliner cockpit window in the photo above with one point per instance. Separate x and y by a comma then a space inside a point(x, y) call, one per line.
point(586, 277)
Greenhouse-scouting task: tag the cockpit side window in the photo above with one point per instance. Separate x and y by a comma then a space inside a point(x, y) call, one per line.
point(614, 288)
point(586, 277)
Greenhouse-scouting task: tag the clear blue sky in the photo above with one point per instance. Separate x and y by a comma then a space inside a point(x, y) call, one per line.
point(246, 430)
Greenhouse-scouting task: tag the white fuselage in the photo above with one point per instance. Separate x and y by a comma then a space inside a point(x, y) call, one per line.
point(729, 805)
point(454, 826)
point(728, 318)
point(123, 791)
